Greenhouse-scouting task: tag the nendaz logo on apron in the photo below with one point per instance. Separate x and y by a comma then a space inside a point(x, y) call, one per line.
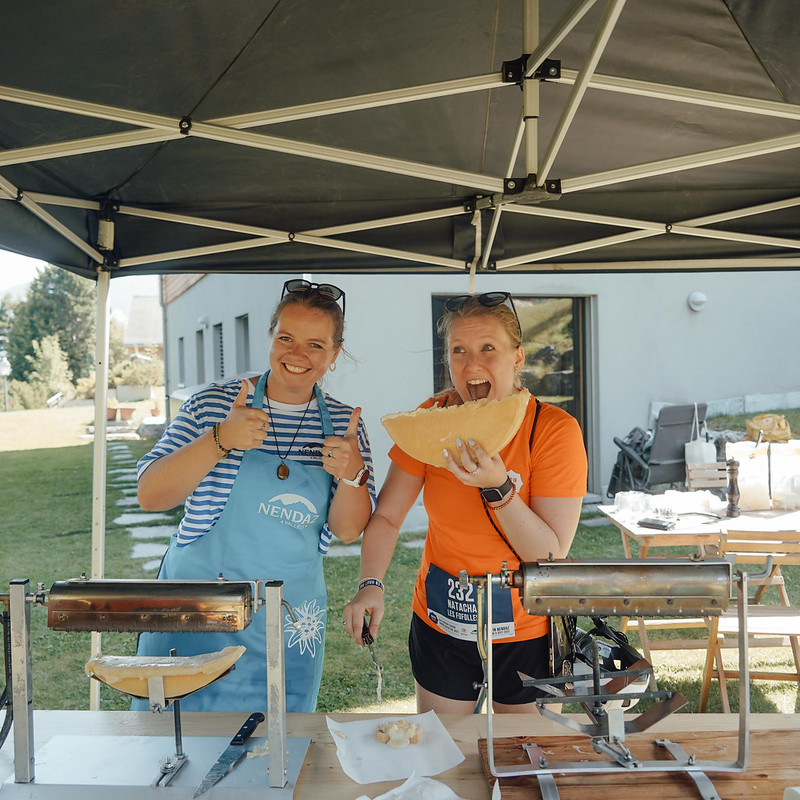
point(293, 510)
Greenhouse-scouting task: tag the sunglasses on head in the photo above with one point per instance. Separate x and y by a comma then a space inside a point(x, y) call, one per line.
point(304, 287)
point(487, 299)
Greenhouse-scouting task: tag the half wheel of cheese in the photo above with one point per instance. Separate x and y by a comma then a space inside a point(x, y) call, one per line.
point(182, 675)
point(424, 433)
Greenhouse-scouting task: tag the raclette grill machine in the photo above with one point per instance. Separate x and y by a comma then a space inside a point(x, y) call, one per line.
point(658, 587)
point(136, 606)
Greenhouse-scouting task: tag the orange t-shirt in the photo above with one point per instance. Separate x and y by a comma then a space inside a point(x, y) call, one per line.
point(460, 535)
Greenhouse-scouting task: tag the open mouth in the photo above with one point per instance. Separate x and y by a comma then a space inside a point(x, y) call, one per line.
point(295, 370)
point(478, 388)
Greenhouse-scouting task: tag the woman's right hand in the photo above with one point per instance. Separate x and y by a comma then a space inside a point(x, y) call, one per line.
point(245, 428)
point(369, 602)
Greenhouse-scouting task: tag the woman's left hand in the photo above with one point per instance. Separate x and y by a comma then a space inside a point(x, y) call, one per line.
point(340, 454)
point(477, 468)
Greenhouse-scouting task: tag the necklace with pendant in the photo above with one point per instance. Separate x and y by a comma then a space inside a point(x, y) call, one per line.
point(283, 467)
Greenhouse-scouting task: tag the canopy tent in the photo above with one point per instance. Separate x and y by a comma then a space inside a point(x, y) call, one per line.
point(190, 136)
point(455, 136)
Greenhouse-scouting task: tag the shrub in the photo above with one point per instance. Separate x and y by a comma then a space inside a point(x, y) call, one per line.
point(138, 371)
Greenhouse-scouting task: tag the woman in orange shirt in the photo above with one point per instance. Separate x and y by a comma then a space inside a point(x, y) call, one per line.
point(519, 505)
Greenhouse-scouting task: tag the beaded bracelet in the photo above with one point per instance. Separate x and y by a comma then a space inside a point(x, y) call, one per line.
point(507, 500)
point(370, 582)
point(222, 452)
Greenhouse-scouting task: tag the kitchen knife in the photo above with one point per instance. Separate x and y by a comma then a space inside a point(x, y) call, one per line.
point(232, 755)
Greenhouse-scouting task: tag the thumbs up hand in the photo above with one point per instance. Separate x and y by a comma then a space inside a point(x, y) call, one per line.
point(341, 456)
point(245, 428)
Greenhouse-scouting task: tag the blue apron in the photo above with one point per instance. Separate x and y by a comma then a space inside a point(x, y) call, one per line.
point(269, 529)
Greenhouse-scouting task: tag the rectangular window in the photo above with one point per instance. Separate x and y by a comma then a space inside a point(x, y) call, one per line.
point(201, 356)
point(553, 336)
point(242, 344)
point(181, 361)
point(219, 354)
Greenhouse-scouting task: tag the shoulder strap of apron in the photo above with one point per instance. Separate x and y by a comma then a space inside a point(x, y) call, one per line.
point(324, 414)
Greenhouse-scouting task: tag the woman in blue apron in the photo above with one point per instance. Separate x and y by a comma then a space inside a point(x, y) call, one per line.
point(267, 476)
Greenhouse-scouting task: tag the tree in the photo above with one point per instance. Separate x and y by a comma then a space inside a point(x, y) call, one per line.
point(7, 305)
point(58, 303)
point(48, 374)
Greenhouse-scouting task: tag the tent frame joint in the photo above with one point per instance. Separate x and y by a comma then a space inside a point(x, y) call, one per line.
point(514, 71)
point(522, 191)
point(185, 125)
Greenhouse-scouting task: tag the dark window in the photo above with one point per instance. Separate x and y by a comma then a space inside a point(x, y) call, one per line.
point(219, 353)
point(242, 344)
point(201, 356)
point(181, 361)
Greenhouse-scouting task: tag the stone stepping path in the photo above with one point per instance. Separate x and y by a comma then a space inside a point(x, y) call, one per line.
point(152, 532)
point(125, 520)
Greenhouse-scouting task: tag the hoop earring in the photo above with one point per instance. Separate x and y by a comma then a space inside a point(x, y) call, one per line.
point(332, 366)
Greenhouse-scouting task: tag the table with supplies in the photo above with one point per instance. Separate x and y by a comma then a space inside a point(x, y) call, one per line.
point(691, 520)
point(774, 743)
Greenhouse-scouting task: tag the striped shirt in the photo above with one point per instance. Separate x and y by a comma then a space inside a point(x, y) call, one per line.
point(198, 414)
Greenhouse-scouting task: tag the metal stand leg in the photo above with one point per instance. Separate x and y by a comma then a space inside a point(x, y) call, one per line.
point(21, 681)
point(276, 684)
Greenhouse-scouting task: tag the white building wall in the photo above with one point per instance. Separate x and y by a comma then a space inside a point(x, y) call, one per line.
point(645, 344)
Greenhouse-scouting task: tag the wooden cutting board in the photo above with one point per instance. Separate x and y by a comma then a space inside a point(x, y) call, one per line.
point(774, 764)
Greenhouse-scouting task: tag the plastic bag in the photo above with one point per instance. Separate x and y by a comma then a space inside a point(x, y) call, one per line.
point(699, 450)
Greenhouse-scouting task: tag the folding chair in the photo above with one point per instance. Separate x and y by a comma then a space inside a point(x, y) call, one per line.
point(768, 625)
point(639, 468)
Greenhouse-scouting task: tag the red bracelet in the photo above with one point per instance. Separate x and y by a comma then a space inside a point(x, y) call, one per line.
point(507, 500)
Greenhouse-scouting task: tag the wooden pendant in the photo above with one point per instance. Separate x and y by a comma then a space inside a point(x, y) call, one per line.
point(283, 471)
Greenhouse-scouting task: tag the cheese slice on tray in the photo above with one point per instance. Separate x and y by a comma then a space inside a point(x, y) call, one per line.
point(182, 675)
point(424, 433)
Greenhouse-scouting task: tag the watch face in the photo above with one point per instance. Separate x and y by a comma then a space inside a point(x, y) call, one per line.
point(363, 476)
point(495, 494)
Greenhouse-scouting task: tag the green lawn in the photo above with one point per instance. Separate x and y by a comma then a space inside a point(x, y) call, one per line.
point(46, 536)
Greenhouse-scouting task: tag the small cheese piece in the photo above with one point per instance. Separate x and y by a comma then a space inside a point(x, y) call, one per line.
point(424, 433)
point(400, 733)
point(182, 675)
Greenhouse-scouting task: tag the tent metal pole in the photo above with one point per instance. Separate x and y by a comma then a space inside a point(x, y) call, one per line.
point(541, 50)
point(748, 211)
point(735, 236)
point(353, 158)
point(72, 105)
point(406, 255)
point(206, 222)
point(99, 455)
point(49, 220)
point(603, 34)
point(530, 89)
point(582, 216)
point(578, 247)
point(77, 147)
point(667, 265)
point(337, 244)
point(387, 222)
point(343, 105)
point(191, 252)
point(679, 163)
point(683, 94)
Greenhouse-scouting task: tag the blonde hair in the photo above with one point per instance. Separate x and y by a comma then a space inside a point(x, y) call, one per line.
point(316, 301)
point(505, 315)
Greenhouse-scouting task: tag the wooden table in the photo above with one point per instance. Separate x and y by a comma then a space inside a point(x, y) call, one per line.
point(697, 531)
point(702, 534)
point(774, 746)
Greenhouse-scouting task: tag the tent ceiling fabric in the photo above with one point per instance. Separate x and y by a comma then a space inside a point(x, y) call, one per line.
point(673, 129)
